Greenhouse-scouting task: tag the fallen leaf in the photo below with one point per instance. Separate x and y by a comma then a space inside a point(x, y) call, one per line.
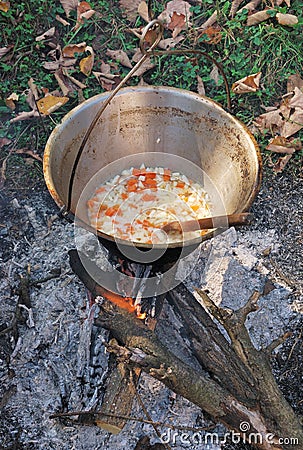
point(287, 19)
point(4, 141)
point(234, 7)
point(281, 163)
point(168, 43)
point(10, 101)
point(281, 144)
point(271, 120)
point(251, 6)
point(294, 81)
point(61, 20)
point(258, 17)
point(67, 83)
point(86, 64)
point(4, 6)
point(214, 74)
point(147, 64)
point(73, 79)
point(48, 34)
point(50, 103)
point(5, 50)
point(69, 5)
point(25, 151)
point(59, 60)
point(212, 35)
point(200, 88)
point(69, 50)
point(84, 11)
point(25, 115)
point(177, 23)
point(209, 22)
point(297, 100)
point(176, 15)
point(107, 83)
point(143, 11)
point(248, 84)
point(130, 8)
point(121, 56)
point(293, 124)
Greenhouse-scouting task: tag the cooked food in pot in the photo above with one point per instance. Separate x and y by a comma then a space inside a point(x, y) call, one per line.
point(136, 204)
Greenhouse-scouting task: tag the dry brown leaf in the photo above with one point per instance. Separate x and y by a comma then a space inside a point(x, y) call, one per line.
point(130, 8)
point(168, 43)
point(200, 87)
point(4, 141)
point(121, 56)
point(294, 81)
point(279, 2)
point(287, 19)
point(212, 34)
point(106, 82)
point(84, 11)
point(4, 6)
point(48, 34)
point(143, 11)
point(69, 50)
point(177, 23)
point(280, 144)
point(293, 124)
point(176, 15)
point(25, 115)
point(281, 163)
point(67, 83)
point(258, 17)
point(271, 120)
point(248, 84)
point(69, 5)
point(86, 64)
point(209, 22)
point(50, 103)
point(25, 151)
point(251, 6)
point(147, 64)
point(73, 79)
point(10, 101)
point(5, 50)
point(297, 100)
point(61, 20)
point(234, 7)
point(214, 74)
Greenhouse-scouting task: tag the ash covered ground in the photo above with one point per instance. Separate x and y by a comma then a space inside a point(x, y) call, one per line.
point(46, 365)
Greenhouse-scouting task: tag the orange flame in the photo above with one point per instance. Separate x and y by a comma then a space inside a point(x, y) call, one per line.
point(123, 302)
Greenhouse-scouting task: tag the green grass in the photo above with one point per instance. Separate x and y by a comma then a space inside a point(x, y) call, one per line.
point(268, 47)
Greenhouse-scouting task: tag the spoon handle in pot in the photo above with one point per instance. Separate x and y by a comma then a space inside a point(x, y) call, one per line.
point(209, 223)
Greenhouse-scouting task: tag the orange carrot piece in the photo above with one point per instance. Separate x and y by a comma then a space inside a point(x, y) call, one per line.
point(180, 184)
point(150, 175)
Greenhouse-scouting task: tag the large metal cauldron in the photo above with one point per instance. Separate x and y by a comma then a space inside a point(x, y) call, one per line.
point(174, 128)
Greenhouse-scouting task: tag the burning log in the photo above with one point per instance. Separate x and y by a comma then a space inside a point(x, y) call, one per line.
point(121, 381)
point(265, 410)
point(238, 387)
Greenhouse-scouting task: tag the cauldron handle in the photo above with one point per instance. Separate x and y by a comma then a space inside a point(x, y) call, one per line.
point(146, 53)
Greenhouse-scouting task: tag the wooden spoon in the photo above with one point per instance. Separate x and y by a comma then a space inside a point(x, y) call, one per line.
point(209, 223)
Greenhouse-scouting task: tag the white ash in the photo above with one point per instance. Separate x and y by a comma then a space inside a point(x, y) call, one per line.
point(47, 369)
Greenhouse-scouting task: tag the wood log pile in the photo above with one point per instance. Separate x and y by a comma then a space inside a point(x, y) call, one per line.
point(234, 383)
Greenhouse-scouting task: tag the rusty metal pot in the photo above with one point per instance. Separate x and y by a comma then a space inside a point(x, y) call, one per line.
point(161, 126)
